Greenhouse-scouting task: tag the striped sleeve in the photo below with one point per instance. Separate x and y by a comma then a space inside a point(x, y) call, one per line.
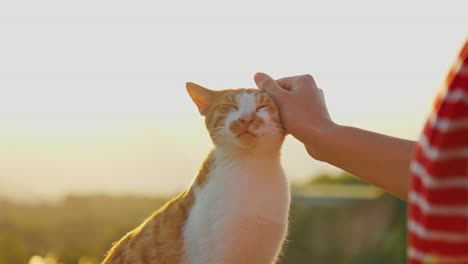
point(438, 197)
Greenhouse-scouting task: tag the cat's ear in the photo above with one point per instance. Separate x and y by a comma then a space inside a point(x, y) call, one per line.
point(201, 96)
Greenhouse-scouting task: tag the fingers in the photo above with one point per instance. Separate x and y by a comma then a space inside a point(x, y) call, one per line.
point(286, 83)
point(267, 84)
point(295, 83)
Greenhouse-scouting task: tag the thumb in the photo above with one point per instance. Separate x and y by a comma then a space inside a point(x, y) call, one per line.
point(267, 84)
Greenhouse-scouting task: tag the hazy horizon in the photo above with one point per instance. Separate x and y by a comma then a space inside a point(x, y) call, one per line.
point(93, 99)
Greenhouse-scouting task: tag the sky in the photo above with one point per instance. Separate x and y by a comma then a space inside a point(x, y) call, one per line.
point(93, 99)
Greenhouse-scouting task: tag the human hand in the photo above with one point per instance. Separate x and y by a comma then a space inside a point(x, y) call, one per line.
point(300, 102)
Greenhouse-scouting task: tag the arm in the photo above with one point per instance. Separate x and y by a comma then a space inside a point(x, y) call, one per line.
point(378, 159)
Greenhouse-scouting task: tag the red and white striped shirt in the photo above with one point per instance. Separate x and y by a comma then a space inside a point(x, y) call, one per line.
point(438, 197)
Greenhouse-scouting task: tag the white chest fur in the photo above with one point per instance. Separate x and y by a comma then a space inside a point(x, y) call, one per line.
point(240, 215)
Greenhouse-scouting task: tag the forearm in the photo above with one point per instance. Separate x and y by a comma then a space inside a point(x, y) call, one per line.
point(378, 159)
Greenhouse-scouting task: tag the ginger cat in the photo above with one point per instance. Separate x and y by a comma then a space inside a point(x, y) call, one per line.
point(236, 209)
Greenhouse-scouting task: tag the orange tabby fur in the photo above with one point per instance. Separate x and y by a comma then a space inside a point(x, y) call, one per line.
point(159, 239)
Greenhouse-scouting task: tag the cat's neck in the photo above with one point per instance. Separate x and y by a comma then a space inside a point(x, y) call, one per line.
point(222, 159)
point(223, 154)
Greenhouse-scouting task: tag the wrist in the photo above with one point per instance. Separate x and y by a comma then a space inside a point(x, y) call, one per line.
point(315, 138)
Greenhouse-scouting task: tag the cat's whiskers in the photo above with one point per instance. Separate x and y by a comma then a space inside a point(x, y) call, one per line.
point(275, 129)
point(220, 135)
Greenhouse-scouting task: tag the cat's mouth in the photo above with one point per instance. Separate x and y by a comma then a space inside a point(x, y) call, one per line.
point(247, 138)
point(247, 133)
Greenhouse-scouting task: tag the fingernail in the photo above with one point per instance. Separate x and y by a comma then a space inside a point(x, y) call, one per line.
point(259, 76)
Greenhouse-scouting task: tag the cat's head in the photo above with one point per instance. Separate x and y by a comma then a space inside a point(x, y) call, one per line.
point(239, 118)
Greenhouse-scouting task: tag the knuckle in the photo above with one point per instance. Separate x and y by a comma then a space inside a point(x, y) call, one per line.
point(308, 77)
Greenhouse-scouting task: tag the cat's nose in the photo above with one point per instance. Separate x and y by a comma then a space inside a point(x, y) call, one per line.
point(246, 119)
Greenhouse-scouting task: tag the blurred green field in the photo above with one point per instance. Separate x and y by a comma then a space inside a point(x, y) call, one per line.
point(334, 220)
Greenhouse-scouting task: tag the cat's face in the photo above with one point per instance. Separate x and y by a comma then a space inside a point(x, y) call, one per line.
point(243, 118)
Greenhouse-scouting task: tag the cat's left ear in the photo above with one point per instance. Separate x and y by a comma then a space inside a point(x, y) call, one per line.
point(201, 96)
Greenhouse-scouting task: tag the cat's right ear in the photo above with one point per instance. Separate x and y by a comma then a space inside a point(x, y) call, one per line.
point(201, 96)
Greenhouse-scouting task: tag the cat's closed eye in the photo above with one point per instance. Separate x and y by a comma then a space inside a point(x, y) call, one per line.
point(230, 106)
point(261, 107)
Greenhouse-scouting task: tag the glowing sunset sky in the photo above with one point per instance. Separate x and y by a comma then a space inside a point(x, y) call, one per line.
point(93, 99)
